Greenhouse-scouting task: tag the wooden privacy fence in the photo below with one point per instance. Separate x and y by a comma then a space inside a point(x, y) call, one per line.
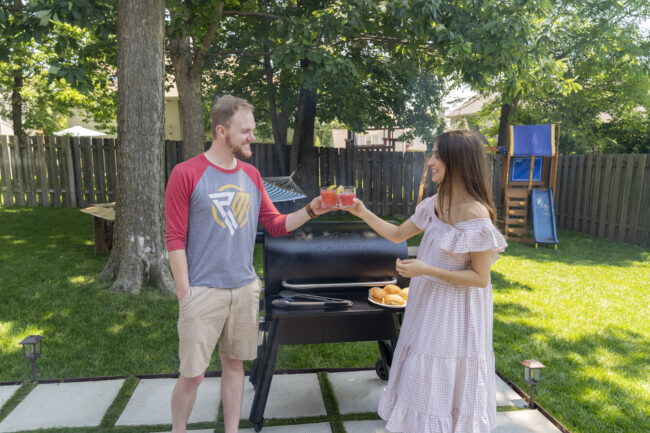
point(78, 172)
point(607, 196)
point(603, 195)
point(59, 171)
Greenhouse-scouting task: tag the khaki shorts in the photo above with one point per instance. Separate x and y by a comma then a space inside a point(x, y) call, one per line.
point(210, 314)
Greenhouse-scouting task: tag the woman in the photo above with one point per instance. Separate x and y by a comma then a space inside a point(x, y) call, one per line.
point(442, 376)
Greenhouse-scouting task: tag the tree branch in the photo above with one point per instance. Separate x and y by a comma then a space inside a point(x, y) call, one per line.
point(252, 14)
point(238, 52)
point(206, 42)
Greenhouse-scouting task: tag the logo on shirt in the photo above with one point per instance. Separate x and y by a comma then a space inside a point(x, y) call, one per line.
point(230, 207)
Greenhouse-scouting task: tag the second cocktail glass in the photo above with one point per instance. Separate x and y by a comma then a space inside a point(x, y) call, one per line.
point(346, 197)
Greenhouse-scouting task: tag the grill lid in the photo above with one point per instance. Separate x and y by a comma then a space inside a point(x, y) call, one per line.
point(330, 253)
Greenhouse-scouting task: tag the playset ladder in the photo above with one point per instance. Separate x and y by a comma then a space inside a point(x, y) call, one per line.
point(515, 219)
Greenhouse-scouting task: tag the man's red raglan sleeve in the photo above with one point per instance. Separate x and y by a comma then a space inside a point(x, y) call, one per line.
point(177, 205)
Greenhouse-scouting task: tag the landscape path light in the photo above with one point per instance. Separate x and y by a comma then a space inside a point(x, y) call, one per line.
point(32, 349)
point(532, 376)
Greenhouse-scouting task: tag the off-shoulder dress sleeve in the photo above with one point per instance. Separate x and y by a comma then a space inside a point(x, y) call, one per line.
point(475, 235)
point(422, 216)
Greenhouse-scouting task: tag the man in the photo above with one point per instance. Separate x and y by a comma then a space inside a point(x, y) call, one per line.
point(213, 203)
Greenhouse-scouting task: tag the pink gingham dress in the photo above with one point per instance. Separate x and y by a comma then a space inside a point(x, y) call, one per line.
point(442, 375)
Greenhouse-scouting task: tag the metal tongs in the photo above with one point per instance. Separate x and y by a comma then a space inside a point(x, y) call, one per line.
point(288, 297)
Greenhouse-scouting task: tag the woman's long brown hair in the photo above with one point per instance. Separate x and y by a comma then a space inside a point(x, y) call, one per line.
point(463, 154)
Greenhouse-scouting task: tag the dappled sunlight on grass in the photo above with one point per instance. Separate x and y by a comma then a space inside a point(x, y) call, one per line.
point(81, 279)
point(11, 336)
point(115, 329)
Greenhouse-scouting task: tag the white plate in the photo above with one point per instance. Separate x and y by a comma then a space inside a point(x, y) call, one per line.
point(396, 307)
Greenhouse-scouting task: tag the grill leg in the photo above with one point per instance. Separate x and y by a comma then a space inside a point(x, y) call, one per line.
point(386, 350)
point(261, 348)
point(266, 370)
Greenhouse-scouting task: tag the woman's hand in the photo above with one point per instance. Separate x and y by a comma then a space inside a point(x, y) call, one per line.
point(411, 268)
point(357, 209)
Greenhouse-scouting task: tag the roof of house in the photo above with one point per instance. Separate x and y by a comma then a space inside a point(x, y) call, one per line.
point(470, 107)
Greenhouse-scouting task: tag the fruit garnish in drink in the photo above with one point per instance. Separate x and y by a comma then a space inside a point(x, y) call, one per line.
point(340, 189)
point(331, 187)
point(328, 197)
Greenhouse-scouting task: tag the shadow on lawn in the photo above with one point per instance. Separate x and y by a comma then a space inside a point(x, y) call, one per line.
point(46, 228)
point(502, 284)
point(53, 291)
point(580, 249)
point(584, 384)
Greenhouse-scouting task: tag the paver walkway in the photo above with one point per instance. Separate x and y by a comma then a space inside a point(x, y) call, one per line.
point(84, 404)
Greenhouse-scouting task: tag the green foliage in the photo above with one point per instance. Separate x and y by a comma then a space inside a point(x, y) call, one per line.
point(627, 134)
point(604, 54)
point(361, 76)
point(65, 67)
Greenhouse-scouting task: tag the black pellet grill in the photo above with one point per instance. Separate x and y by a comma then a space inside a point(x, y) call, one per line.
point(334, 259)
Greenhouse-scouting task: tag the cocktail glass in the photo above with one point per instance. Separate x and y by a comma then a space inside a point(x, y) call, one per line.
point(346, 197)
point(328, 198)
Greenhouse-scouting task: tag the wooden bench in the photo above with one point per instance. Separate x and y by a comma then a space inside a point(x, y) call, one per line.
point(103, 219)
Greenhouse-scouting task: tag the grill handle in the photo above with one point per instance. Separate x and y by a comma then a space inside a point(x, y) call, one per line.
point(336, 285)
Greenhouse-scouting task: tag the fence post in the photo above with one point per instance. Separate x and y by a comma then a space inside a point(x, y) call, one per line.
point(70, 184)
point(77, 173)
point(6, 172)
point(41, 169)
point(18, 172)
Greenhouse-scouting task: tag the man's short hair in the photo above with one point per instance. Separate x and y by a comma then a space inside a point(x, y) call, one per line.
point(224, 108)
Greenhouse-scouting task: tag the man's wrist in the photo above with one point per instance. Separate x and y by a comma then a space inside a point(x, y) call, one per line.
point(310, 211)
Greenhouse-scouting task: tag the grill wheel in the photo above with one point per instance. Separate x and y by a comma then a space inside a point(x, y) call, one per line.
point(381, 371)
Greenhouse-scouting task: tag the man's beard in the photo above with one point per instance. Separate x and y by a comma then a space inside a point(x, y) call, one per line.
point(239, 151)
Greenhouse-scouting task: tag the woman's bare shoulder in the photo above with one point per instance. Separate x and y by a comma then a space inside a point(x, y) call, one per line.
point(474, 210)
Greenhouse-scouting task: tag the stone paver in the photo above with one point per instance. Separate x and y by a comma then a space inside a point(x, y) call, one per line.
point(321, 427)
point(291, 396)
point(365, 426)
point(506, 396)
point(6, 392)
point(357, 391)
point(151, 402)
point(195, 431)
point(83, 404)
point(523, 421)
point(76, 404)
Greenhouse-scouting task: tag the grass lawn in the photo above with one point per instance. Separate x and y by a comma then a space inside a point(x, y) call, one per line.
point(582, 310)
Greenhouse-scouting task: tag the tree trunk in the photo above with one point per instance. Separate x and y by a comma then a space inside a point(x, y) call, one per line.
point(303, 153)
point(139, 252)
point(507, 110)
point(188, 82)
point(279, 143)
point(17, 102)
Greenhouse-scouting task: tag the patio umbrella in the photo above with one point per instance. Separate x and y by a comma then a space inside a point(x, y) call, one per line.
point(79, 131)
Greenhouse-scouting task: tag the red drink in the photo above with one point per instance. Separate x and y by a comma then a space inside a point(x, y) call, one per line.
point(347, 199)
point(346, 196)
point(328, 197)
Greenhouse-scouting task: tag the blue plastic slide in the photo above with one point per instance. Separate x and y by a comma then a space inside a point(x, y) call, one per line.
point(544, 216)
